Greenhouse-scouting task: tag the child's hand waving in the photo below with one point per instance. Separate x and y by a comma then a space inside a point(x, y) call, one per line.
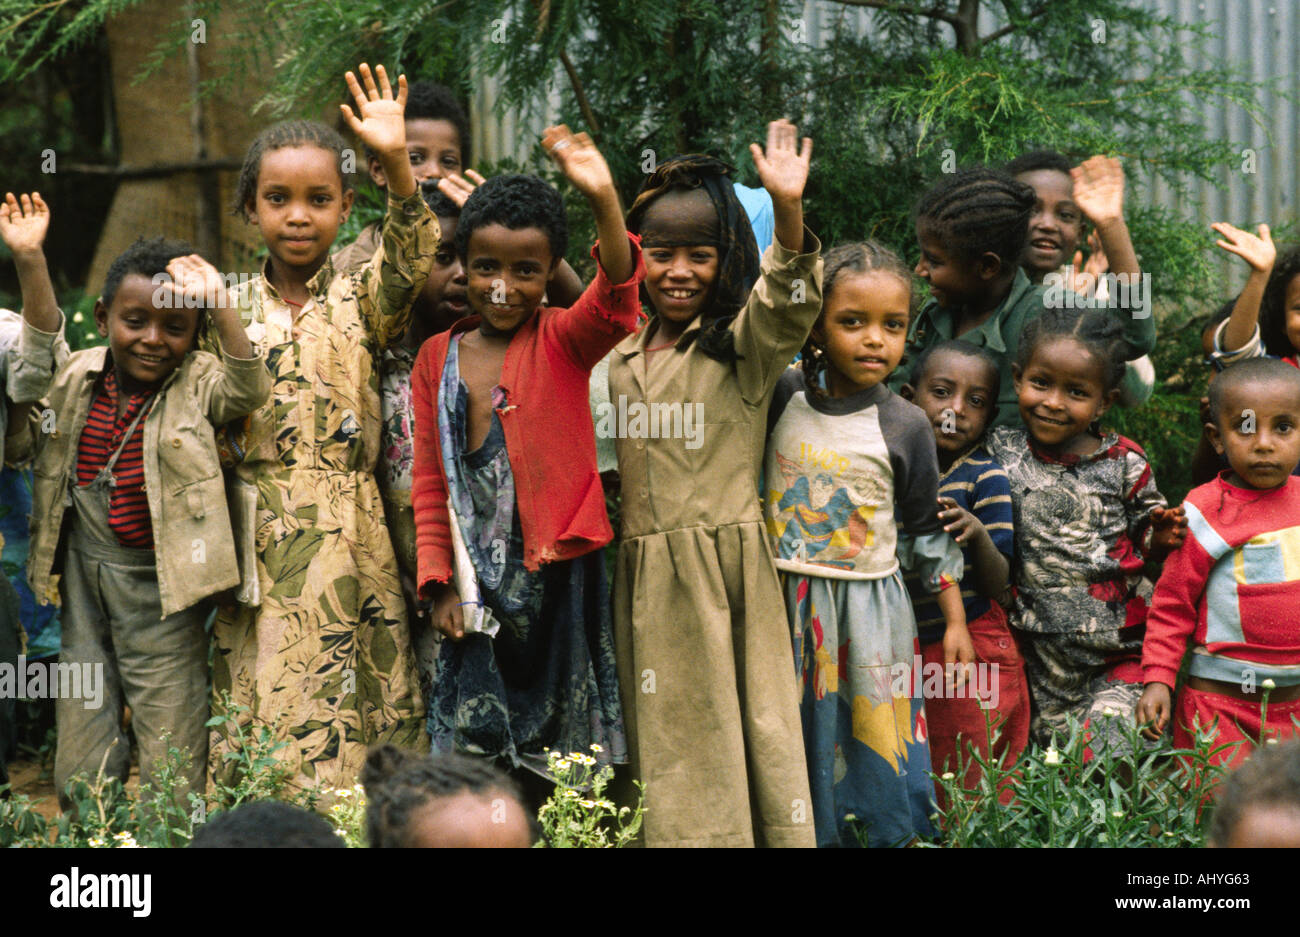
point(783, 168)
point(458, 188)
point(196, 279)
point(1259, 252)
point(23, 224)
point(1099, 189)
point(579, 160)
point(380, 126)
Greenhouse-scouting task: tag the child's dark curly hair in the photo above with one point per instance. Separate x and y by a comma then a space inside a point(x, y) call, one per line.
point(1269, 779)
point(429, 100)
point(1038, 160)
point(977, 211)
point(1097, 331)
point(267, 824)
point(1272, 308)
point(862, 257)
point(398, 783)
point(515, 201)
point(277, 136)
point(147, 257)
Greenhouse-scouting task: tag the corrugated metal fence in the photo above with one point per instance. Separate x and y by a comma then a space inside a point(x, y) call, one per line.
point(1260, 37)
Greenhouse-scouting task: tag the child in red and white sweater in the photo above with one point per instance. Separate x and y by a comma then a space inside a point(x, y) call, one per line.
point(1234, 584)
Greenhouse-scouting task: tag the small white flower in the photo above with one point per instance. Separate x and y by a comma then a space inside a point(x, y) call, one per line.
point(1117, 814)
point(589, 804)
point(96, 842)
point(1051, 757)
point(1268, 683)
point(570, 793)
point(340, 832)
point(947, 776)
point(1169, 833)
point(343, 793)
point(1110, 711)
point(1270, 741)
point(596, 748)
point(78, 317)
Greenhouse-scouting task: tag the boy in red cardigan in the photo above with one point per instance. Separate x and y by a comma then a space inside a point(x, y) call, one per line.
point(505, 488)
point(1232, 588)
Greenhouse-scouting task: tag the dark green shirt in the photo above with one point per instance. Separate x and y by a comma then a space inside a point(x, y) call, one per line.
point(1000, 334)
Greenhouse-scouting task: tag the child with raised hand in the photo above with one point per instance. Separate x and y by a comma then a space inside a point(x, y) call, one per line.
point(1086, 514)
point(852, 483)
point(505, 488)
point(702, 637)
point(326, 656)
point(128, 503)
point(956, 384)
point(1231, 589)
point(972, 228)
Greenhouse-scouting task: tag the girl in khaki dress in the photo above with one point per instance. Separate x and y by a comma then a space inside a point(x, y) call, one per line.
point(701, 635)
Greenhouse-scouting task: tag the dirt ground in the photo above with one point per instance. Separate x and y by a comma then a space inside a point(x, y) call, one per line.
point(25, 778)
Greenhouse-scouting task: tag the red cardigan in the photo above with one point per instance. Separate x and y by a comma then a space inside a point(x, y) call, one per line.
point(546, 417)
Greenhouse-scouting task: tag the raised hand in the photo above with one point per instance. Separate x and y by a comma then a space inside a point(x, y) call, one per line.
point(458, 188)
point(783, 166)
point(1099, 189)
point(380, 124)
point(24, 223)
point(196, 279)
point(1259, 252)
point(579, 160)
point(1086, 273)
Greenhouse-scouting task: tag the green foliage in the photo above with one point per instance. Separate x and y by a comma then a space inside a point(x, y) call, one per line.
point(578, 815)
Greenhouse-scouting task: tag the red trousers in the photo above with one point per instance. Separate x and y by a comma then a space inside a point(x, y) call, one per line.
point(958, 723)
point(1238, 720)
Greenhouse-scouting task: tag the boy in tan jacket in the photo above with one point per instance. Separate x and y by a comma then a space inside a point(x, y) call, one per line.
point(128, 498)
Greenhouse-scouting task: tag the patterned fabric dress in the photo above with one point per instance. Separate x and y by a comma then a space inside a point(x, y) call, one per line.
point(839, 472)
point(547, 679)
point(326, 658)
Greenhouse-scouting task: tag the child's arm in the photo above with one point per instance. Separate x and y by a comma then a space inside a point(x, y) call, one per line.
point(23, 227)
point(429, 498)
point(1171, 622)
point(1099, 193)
point(784, 303)
point(608, 309)
point(992, 568)
point(392, 281)
point(1153, 527)
point(1260, 254)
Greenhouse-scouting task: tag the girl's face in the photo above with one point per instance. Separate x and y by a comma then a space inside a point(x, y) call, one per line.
point(679, 234)
point(1292, 301)
point(863, 328)
point(954, 281)
point(1062, 392)
point(299, 205)
point(1057, 223)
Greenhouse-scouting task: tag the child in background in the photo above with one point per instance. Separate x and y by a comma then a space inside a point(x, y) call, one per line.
point(326, 656)
point(1233, 587)
point(447, 801)
point(852, 484)
point(125, 438)
point(1087, 512)
point(438, 307)
point(972, 228)
point(267, 824)
point(505, 456)
point(702, 637)
point(1259, 805)
point(956, 384)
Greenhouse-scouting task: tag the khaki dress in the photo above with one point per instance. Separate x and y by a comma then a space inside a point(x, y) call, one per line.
point(704, 649)
point(326, 658)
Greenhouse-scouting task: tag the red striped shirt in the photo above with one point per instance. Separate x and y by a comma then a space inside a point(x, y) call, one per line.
point(128, 505)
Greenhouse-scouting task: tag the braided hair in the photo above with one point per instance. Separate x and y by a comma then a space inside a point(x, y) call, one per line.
point(1272, 308)
point(977, 211)
point(278, 136)
point(398, 783)
point(1096, 330)
point(862, 257)
point(737, 248)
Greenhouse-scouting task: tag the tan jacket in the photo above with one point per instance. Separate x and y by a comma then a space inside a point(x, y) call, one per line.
point(187, 497)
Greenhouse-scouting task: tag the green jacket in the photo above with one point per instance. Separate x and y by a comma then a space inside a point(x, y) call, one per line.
point(193, 543)
point(1000, 333)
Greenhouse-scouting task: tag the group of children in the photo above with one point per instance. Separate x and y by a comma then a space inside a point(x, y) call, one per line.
point(381, 468)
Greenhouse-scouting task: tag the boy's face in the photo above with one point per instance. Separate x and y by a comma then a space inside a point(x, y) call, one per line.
point(1057, 223)
point(956, 393)
point(507, 271)
point(299, 204)
point(433, 147)
point(148, 342)
point(954, 281)
point(1258, 429)
point(442, 301)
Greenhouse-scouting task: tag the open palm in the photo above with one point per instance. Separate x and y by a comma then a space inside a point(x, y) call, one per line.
point(23, 224)
point(579, 159)
point(380, 124)
point(783, 167)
